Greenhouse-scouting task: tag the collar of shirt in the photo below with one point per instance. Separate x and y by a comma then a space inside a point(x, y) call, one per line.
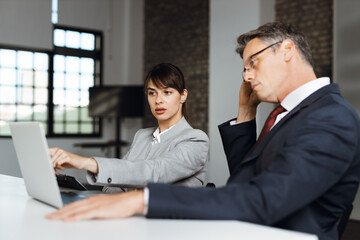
point(157, 134)
point(299, 94)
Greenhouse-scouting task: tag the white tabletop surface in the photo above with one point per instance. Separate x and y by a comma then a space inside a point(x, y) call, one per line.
point(22, 217)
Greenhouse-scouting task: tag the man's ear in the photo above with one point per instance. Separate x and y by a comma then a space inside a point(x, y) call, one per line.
point(184, 96)
point(288, 48)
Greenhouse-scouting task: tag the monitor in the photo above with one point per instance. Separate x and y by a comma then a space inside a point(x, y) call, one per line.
point(116, 101)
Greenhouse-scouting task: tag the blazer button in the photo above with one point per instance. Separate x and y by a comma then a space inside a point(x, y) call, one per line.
point(109, 180)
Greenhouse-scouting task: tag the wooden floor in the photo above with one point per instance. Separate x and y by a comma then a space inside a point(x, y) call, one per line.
point(352, 231)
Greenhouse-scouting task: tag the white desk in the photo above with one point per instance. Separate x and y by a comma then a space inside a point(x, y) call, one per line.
point(22, 217)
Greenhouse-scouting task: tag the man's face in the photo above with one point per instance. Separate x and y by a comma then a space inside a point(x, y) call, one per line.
point(264, 71)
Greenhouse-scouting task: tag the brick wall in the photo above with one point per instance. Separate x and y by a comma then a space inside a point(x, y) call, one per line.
point(315, 19)
point(177, 31)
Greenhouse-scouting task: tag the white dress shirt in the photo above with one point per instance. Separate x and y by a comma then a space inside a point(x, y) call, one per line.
point(157, 134)
point(298, 95)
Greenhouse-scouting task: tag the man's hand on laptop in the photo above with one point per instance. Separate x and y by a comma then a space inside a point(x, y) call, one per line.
point(102, 207)
point(62, 159)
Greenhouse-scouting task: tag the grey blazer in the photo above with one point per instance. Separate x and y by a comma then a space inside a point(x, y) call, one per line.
point(179, 158)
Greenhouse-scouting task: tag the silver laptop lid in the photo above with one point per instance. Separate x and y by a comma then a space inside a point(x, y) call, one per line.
point(35, 163)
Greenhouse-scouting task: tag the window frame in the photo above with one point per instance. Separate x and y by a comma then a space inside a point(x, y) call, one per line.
point(95, 54)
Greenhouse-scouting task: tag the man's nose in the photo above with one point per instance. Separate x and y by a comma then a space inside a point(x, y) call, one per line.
point(248, 76)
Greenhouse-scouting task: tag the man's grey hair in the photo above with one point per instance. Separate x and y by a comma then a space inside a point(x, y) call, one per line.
point(277, 31)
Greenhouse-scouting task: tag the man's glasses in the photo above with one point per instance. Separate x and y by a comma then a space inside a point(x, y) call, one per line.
point(252, 62)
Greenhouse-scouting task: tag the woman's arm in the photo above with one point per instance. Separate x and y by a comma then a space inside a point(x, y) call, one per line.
point(62, 159)
point(186, 156)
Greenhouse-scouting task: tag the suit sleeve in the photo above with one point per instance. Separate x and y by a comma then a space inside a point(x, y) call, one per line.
point(186, 158)
point(320, 151)
point(237, 140)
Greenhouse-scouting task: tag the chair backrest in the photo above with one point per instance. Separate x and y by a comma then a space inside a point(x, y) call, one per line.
point(343, 220)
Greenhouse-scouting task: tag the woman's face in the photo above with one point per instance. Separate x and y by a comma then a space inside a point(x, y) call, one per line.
point(165, 103)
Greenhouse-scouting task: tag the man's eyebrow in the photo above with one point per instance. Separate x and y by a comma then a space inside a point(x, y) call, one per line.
point(247, 60)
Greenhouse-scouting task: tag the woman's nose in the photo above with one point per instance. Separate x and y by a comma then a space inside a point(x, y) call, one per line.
point(158, 99)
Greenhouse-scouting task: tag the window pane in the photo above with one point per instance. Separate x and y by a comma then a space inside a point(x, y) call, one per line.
point(7, 76)
point(41, 96)
point(25, 77)
point(72, 81)
point(59, 128)
point(7, 94)
point(54, 11)
point(72, 114)
point(41, 79)
point(40, 113)
point(24, 113)
point(87, 41)
point(41, 61)
point(85, 114)
point(87, 65)
point(59, 63)
point(59, 37)
point(7, 58)
point(72, 39)
point(4, 128)
point(84, 101)
point(59, 97)
point(87, 81)
point(25, 60)
point(72, 128)
point(86, 128)
point(72, 98)
point(59, 79)
point(59, 114)
point(72, 64)
point(7, 112)
point(26, 95)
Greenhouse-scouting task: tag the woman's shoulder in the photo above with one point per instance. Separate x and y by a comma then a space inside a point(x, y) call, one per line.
point(190, 132)
point(146, 131)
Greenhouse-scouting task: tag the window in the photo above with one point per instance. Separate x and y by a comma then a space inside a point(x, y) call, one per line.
point(23, 87)
point(52, 87)
point(77, 58)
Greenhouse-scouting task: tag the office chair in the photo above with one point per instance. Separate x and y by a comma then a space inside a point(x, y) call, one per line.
point(343, 220)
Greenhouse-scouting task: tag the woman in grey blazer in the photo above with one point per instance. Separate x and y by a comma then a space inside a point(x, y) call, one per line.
point(173, 152)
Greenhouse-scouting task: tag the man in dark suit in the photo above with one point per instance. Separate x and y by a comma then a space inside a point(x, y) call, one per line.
point(302, 172)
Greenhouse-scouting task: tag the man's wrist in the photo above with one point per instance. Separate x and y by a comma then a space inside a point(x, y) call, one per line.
point(246, 115)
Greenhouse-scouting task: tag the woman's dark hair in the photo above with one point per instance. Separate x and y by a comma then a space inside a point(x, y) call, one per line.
point(167, 75)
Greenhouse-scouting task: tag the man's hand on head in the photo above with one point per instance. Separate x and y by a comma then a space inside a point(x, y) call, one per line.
point(248, 102)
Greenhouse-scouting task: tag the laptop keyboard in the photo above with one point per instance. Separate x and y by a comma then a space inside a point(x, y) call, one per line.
point(69, 197)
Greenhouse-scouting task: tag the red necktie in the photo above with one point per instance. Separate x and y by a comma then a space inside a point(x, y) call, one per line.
point(270, 122)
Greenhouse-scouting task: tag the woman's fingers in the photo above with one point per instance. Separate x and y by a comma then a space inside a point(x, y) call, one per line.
point(59, 158)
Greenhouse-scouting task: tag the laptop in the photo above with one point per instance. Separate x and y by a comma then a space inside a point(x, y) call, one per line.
point(35, 164)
